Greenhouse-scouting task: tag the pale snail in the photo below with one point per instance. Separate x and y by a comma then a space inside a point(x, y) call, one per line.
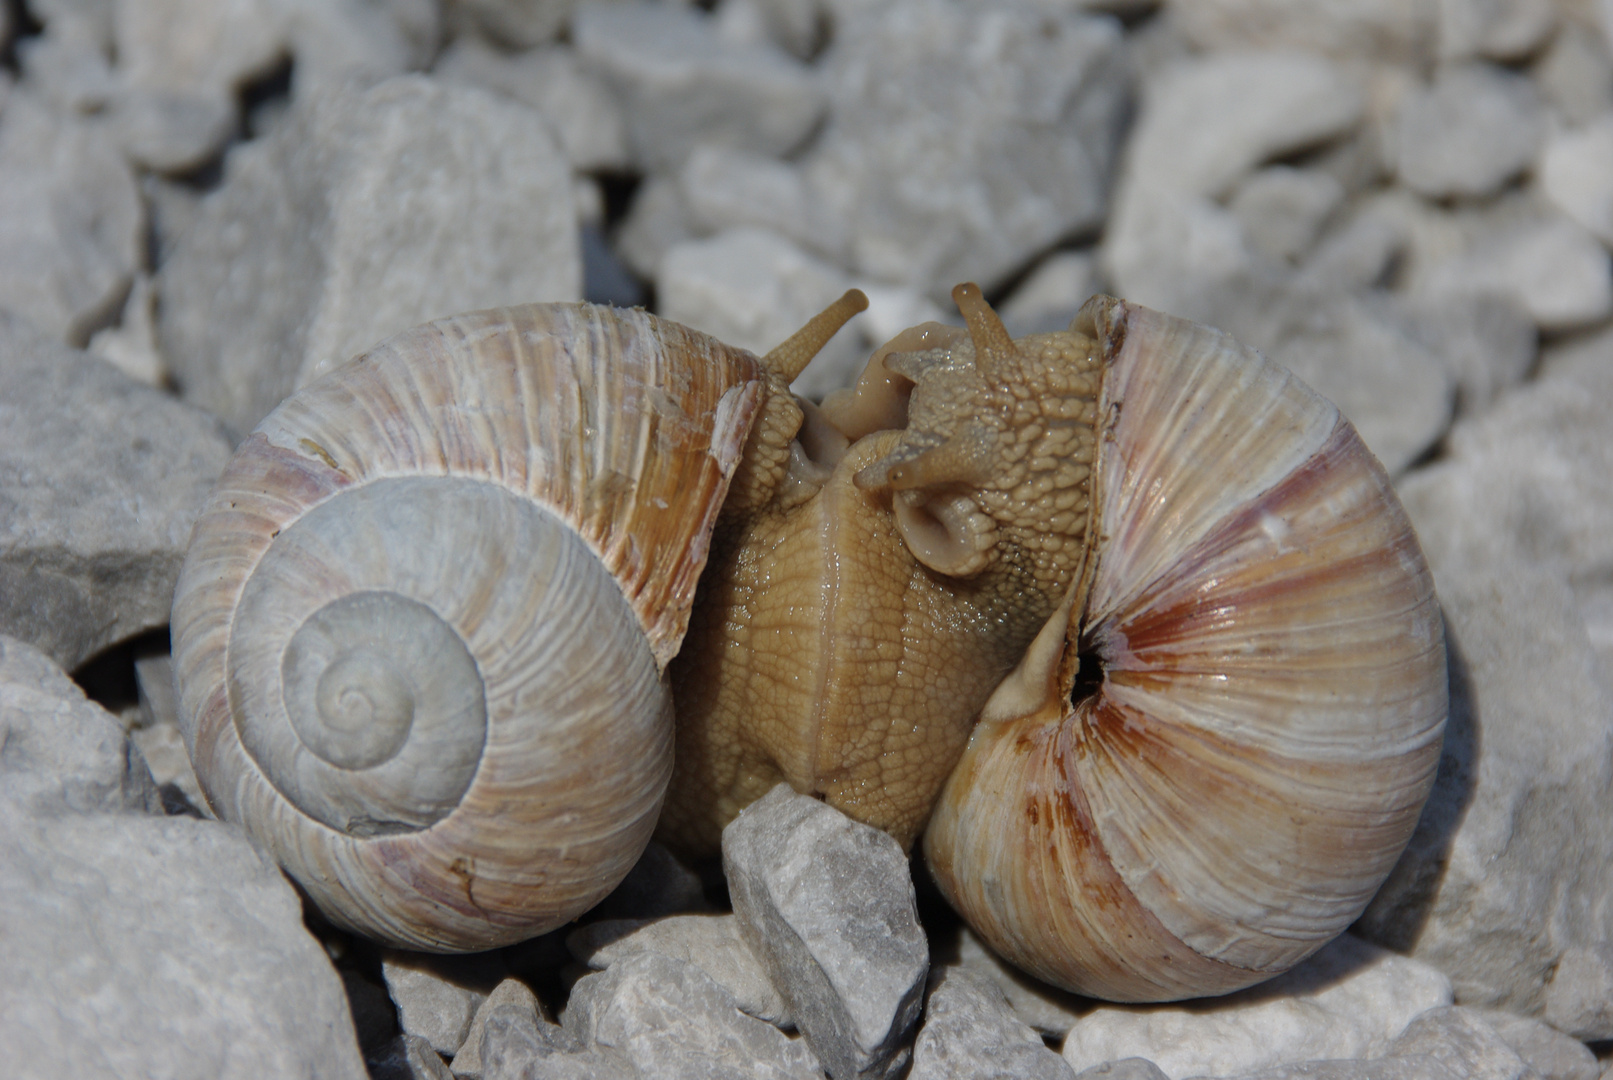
point(877, 567)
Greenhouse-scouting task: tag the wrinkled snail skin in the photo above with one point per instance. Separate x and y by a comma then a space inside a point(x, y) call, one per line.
point(421, 630)
point(1212, 756)
point(853, 622)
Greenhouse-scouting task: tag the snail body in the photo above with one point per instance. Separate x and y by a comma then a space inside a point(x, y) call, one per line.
point(440, 613)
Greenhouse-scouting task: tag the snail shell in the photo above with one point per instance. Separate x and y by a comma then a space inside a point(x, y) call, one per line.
point(421, 630)
point(1211, 757)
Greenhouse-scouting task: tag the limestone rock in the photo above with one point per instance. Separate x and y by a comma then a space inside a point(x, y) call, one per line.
point(1473, 130)
point(827, 904)
point(1399, 31)
point(364, 213)
point(62, 752)
point(710, 942)
point(1047, 1009)
point(970, 1031)
point(160, 946)
point(1509, 862)
point(576, 102)
point(1579, 997)
point(1576, 171)
point(1206, 123)
point(680, 83)
point(408, 1057)
point(1134, 1068)
point(964, 140)
point(437, 997)
point(1349, 1000)
point(1282, 209)
point(1457, 1039)
point(71, 224)
point(1550, 1053)
point(101, 479)
point(518, 1009)
point(520, 24)
point(1495, 29)
point(670, 1019)
point(754, 288)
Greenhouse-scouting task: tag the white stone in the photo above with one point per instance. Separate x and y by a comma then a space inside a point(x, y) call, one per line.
point(970, 1031)
point(710, 942)
point(1282, 209)
point(1579, 997)
point(71, 224)
point(826, 903)
point(1557, 270)
point(681, 83)
point(964, 140)
point(1047, 1009)
point(365, 213)
point(753, 288)
point(1349, 1000)
point(510, 994)
point(520, 24)
point(102, 478)
point(1576, 172)
point(1576, 73)
point(1473, 130)
point(1510, 863)
point(1399, 31)
point(1051, 294)
point(160, 947)
point(723, 187)
point(656, 221)
point(1495, 29)
point(131, 346)
point(437, 997)
point(551, 79)
point(1550, 1053)
point(670, 1019)
point(1458, 1041)
point(1205, 124)
point(1488, 343)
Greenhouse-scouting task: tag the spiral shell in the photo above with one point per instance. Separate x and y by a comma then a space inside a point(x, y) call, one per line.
point(421, 630)
point(1212, 756)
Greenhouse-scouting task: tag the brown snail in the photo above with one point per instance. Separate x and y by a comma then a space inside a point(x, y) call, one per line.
point(877, 567)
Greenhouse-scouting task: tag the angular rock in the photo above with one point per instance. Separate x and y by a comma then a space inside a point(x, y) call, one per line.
point(408, 1057)
point(970, 1031)
point(656, 221)
point(936, 166)
point(1349, 1000)
point(1579, 997)
point(1488, 343)
point(576, 101)
point(71, 224)
point(1509, 863)
point(160, 946)
point(754, 288)
point(669, 1019)
point(721, 187)
point(1576, 73)
point(680, 83)
point(1283, 209)
point(1557, 270)
point(1398, 31)
point(712, 943)
point(131, 346)
point(1205, 123)
point(364, 213)
point(1464, 1045)
point(1576, 171)
point(519, 1010)
point(1134, 1068)
point(437, 997)
point(1550, 1053)
point(1047, 1009)
point(1474, 129)
point(1049, 297)
point(101, 479)
point(156, 735)
point(520, 24)
point(827, 904)
point(1495, 29)
point(62, 752)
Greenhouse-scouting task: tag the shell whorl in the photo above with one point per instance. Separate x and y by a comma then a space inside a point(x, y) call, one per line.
point(421, 630)
point(1224, 786)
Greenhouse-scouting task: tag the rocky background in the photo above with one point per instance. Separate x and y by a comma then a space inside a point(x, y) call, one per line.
point(204, 203)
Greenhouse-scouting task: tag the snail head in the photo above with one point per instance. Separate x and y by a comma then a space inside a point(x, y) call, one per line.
point(994, 465)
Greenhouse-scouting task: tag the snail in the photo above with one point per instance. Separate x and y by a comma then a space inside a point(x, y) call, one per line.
point(881, 582)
